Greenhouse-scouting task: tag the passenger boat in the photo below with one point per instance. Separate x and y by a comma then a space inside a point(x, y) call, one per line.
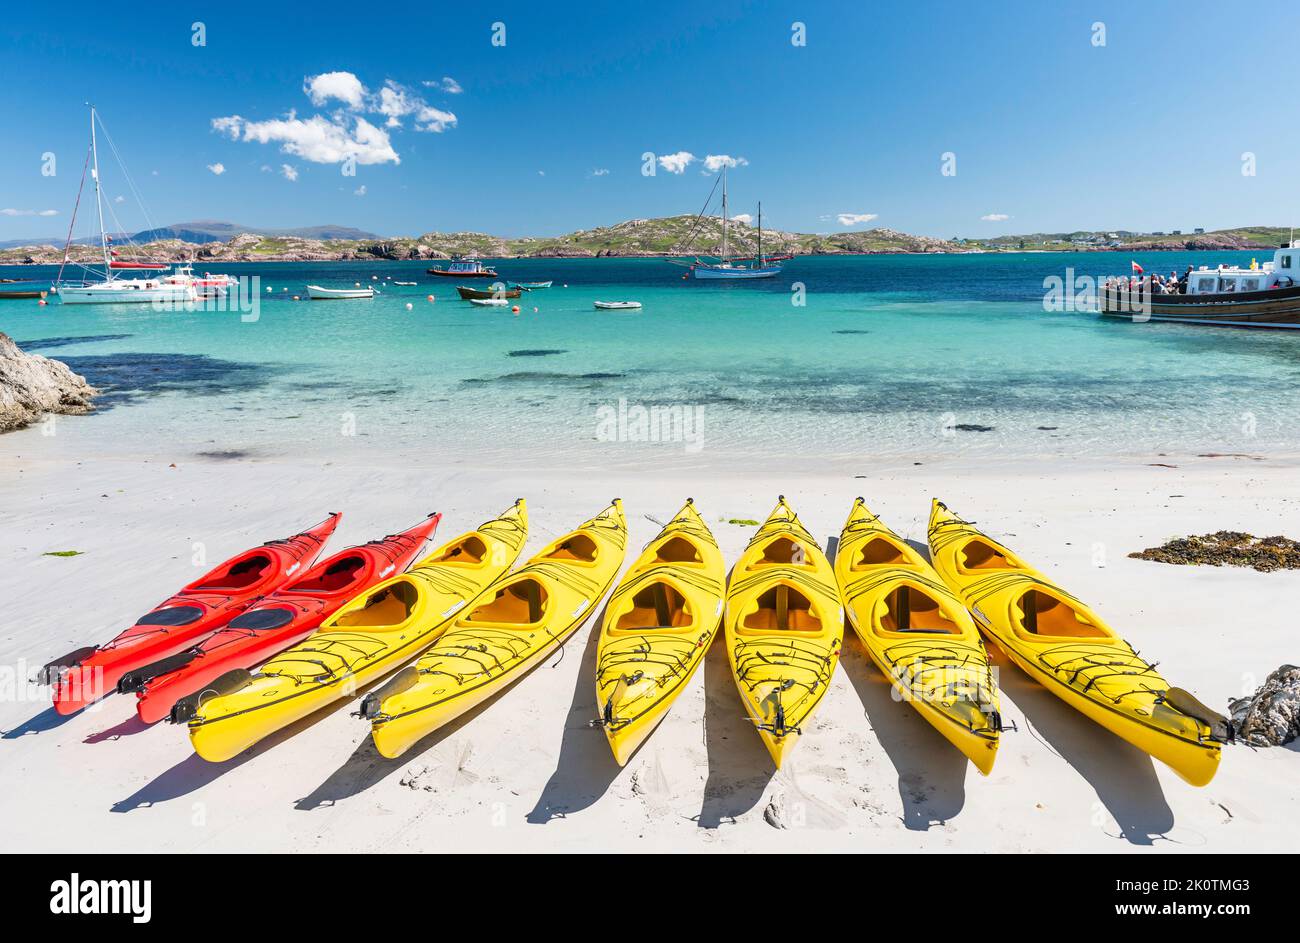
point(206, 285)
point(1265, 295)
point(471, 293)
point(758, 266)
point(317, 293)
point(464, 268)
point(618, 305)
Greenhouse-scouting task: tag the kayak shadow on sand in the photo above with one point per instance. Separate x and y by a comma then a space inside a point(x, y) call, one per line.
point(366, 767)
point(1123, 776)
point(194, 772)
point(931, 771)
point(126, 728)
point(586, 766)
point(46, 720)
point(740, 767)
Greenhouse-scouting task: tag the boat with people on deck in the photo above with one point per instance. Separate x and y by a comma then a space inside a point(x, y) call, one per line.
point(464, 268)
point(181, 286)
point(1260, 295)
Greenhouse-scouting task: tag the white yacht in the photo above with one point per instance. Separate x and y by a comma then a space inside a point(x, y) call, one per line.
point(179, 288)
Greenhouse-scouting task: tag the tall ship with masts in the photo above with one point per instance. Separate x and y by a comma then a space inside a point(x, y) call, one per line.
point(729, 267)
point(179, 287)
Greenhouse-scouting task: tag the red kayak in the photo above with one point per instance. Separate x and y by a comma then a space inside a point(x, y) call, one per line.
point(205, 605)
point(275, 623)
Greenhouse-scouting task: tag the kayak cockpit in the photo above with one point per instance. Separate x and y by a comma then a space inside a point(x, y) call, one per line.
point(335, 578)
point(240, 574)
point(910, 609)
point(880, 551)
point(678, 550)
point(783, 551)
point(468, 551)
point(577, 548)
point(519, 604)
point(387, 608)
point(1037, 613)
point(781, 608)
point(659, 607)
point(978, 555)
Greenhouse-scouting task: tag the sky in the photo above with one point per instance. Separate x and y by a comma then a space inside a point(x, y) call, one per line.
point(533, 118)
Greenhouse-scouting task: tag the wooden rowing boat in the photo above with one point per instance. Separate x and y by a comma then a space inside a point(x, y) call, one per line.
point(469, 294)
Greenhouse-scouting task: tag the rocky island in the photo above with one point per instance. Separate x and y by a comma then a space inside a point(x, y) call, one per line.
point(32, 386)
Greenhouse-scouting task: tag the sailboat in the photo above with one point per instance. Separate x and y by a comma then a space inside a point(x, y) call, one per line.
point(757, 266)
point(176, 289)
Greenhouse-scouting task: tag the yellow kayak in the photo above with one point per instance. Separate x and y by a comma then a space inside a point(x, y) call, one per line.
point(1067, 648)
point(371, 635)
point(784, 625)
point(523, 618)
point(658, 626)
point(919, 634)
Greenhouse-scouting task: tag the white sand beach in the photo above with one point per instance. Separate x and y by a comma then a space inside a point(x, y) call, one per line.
point(526, 772)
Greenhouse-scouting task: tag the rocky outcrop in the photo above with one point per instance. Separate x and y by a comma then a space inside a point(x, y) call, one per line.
point(1271, 716)
point(32, 385)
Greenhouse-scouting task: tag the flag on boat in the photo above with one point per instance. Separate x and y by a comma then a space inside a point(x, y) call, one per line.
point(1136, 268)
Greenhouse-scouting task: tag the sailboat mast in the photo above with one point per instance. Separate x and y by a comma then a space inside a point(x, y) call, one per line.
point(99, 201)
point(759, 260)
point(724, 213)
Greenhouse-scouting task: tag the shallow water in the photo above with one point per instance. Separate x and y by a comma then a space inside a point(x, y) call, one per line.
point(890, 356)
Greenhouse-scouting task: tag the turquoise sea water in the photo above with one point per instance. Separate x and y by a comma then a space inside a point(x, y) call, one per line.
point(891, 356)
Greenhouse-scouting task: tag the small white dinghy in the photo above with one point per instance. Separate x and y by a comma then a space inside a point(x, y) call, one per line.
point(618, 305)
point(316, 293)
point(489, 302)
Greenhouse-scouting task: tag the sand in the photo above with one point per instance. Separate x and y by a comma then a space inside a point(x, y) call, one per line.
point(526, 772)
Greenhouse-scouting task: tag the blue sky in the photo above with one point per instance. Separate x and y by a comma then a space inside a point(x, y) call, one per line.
point(1049, 130)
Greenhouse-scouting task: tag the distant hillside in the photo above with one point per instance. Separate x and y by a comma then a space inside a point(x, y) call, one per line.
point(1246, 237)
point(208, 230)
point(688, 236)
point(673, 235)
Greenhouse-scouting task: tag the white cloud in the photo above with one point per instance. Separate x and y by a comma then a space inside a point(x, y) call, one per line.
point(715, 162)
point(343, 86)
point(345, 132)
point(995, 217)
point(445, 84)
point(119, 199)
point(677, 163)
point(853, 219)
point(318, 139)
point(541, 173)
point(218, 168)
point(599, 172)
point(360, 191)
point(289, 172)
point(396, 102)
point(266, 168)
point(13, 212)
point(742, 218)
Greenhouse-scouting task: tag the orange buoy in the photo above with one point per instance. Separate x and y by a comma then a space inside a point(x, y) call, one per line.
point(431, 297)
point(515, 309)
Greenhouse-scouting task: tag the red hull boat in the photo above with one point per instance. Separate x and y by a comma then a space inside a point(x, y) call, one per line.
point(275, 623)
point(203, 606)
